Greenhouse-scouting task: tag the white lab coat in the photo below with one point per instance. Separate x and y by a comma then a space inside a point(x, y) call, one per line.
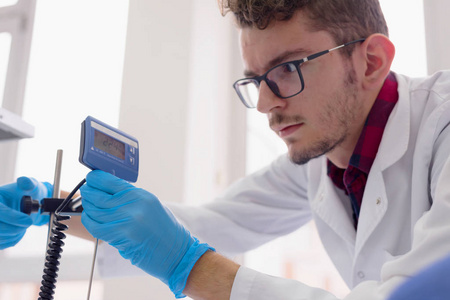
point(404, 222)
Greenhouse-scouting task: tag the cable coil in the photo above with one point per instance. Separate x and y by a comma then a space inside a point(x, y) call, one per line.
point(55, 248)
point(52, 259)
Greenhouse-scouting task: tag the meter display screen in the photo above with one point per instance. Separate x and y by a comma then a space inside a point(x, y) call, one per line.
point(109, 145)
point(103, 147)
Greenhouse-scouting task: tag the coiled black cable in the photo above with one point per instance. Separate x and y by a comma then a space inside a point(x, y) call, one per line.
point(55, 249)
point(52, 258)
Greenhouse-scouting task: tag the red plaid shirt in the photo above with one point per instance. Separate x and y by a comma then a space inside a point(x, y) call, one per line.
point(353, 179)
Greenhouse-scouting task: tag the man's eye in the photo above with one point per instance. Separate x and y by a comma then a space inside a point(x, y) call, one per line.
point(289, 68)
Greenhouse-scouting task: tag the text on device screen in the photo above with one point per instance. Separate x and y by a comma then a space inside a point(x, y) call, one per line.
point(109, 145)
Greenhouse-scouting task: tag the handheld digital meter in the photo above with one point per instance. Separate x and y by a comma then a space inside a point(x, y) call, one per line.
point(106, 148)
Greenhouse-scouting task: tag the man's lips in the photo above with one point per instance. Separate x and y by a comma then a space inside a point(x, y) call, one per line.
point(285, 130)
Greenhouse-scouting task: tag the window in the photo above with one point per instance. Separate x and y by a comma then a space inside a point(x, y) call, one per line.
point(408, 35)
point(75, 70)
point(5, 45)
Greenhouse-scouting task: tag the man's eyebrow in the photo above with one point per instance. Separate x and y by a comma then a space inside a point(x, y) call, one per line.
point(278, 60)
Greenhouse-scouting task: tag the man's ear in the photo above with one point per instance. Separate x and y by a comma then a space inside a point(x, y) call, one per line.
point(378, 53)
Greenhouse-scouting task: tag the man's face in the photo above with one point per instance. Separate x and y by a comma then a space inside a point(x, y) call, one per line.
point(322, 118)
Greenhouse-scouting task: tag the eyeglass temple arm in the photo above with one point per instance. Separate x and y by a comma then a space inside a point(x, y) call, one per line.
point(313, 56)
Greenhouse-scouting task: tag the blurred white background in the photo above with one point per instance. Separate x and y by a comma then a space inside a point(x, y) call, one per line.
point(162, 71)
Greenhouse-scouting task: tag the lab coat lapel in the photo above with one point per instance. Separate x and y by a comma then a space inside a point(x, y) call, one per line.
point(328, 206)
point(394, 142)
point(373, 208)
point(393, 146)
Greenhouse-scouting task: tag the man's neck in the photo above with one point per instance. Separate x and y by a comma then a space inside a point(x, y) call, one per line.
point(340, 156)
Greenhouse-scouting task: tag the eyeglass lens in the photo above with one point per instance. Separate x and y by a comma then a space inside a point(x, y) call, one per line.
point(284, 81)
point(248, 90)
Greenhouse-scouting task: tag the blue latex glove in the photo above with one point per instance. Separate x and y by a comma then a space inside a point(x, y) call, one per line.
point(14, 223)
point(144, 231)
point(433, 283)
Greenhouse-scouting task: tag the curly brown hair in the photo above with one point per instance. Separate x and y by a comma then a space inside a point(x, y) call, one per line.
point(345, 20)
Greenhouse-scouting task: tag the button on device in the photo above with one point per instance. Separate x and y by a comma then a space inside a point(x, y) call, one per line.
point(133, 150)
point(361, 275)
point(132, 160)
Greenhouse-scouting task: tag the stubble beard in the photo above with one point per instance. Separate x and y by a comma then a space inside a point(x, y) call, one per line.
point(340, 113)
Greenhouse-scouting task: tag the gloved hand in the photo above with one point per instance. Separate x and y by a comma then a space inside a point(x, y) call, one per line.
point(14, 223)
point(144, 231)
point(431, 283)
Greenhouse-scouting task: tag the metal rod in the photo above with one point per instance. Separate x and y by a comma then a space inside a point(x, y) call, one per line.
point(56, 190)
point(92, 270)
point(57, 177)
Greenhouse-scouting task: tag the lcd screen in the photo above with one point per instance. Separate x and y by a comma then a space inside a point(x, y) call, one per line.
point(109, 145)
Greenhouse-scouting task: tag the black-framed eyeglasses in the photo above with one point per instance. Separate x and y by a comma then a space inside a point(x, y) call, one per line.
point(284, 80)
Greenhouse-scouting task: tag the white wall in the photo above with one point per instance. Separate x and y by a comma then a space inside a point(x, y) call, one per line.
point(216, 127)
point(177, 97)
point(437, 25)
point(154, 91)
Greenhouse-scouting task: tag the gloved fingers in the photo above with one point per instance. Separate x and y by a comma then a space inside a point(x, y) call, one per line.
point(39, 219)
point(106, 182)
point(135, 204)
point(96, 198)
point(11, 241)
point(27, 183)
point(106, 215)
point(103, 199)
point(8, 195)
point(9, 230)
point(34, 188)
point(13, 226)
point(108, 232)
point(49, 187)
point(14, 217)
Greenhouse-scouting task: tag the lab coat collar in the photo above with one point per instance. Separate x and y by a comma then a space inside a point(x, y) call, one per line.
point(394, 142)
point(327, 205)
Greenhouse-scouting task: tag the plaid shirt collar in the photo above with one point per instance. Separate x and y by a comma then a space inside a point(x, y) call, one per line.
point(353, 179)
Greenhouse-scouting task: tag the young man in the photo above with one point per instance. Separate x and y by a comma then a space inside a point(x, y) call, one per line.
point(368, 160)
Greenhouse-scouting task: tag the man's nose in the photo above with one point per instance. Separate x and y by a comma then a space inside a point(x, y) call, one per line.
point(267, 100)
